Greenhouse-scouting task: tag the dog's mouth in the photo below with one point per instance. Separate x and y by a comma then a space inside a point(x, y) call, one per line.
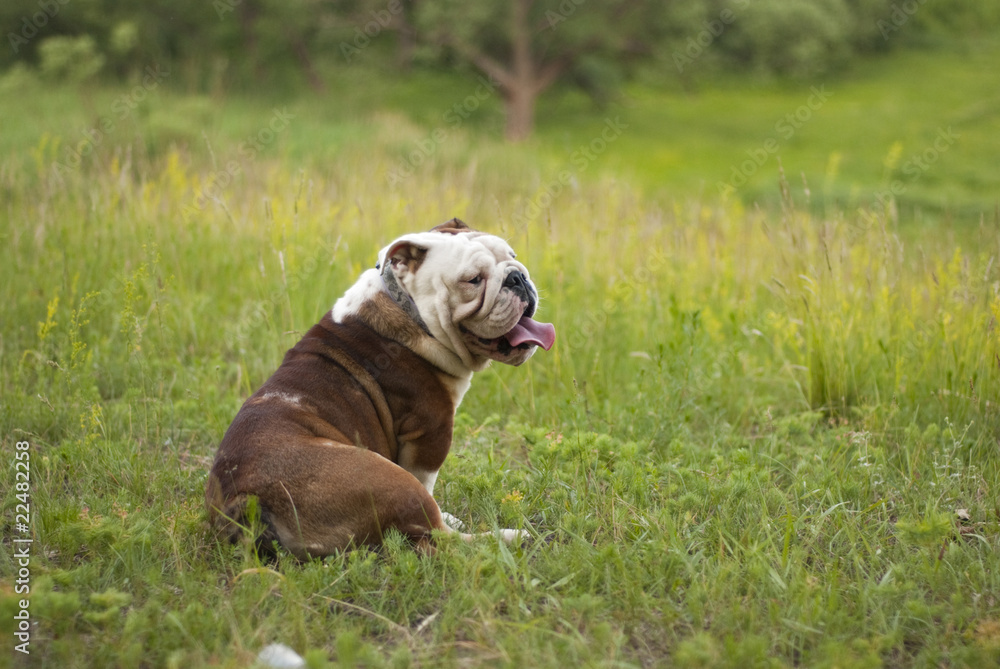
point(526, 334)
point(529, 332)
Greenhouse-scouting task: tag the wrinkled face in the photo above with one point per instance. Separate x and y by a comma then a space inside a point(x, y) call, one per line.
point(472, 293)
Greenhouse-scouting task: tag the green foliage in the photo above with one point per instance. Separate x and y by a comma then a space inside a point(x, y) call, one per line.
point(799, 38)
point(240, 44)
point(72, 59)
point(937, 20)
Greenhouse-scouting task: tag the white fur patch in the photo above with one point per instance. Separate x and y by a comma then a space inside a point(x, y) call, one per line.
point(368, 285)
point(507, 536)
point(294, 400)
point(510, 536)
point(427, 479)
point(457, 386)
point(452, 522)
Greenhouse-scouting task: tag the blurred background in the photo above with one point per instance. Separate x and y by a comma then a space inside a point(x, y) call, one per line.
point(862, 101)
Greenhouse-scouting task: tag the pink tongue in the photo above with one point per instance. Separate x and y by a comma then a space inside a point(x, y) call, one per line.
point(532, 332)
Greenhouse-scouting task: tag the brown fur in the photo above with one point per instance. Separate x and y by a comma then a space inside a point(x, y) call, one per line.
point(317, 443)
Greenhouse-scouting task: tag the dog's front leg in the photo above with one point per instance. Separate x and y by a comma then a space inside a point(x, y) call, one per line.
point(409, 459)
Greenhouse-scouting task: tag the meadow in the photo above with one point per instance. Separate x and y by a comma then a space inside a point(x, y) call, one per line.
point(767, 434)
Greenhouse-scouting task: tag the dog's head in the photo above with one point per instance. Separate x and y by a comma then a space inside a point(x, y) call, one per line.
point(469, 292)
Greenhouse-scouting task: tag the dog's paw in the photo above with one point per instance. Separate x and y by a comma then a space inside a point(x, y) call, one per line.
point(452, 522)
point(514, 536)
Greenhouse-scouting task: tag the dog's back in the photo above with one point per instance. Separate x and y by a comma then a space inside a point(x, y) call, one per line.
point(324, 423)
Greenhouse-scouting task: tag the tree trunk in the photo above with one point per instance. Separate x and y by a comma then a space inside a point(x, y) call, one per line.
point(406, 41)
point(524, 79)
point(519, 106)
point(519, 95)
point(248, 13)
point(312, 76)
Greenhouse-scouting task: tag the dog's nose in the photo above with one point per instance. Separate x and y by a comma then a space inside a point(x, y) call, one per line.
point(516, 281)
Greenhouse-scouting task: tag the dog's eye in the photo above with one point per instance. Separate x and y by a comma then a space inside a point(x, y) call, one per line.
point(474, 280)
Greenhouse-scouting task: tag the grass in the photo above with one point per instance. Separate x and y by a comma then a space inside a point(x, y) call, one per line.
point(749, 445)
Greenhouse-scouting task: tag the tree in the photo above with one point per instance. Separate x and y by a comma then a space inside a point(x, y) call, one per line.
point(360, 22)
point(273, 33)
point(526, 46)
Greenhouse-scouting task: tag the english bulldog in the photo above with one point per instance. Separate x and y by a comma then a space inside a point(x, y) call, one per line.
point(344, 441)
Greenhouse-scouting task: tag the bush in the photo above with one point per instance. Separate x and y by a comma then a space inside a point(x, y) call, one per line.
point(798, 38)
point(73, 59)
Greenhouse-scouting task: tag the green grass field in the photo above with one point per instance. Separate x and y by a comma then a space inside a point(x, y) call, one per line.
point(767, 435)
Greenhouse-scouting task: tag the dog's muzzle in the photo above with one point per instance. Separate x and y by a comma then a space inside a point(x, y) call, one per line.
point(517, 282)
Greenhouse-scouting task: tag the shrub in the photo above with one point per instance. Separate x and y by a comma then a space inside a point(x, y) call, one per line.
point(73, 59)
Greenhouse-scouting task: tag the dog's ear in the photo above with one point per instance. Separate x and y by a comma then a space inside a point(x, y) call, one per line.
point(405, 253)
point(452, 227)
